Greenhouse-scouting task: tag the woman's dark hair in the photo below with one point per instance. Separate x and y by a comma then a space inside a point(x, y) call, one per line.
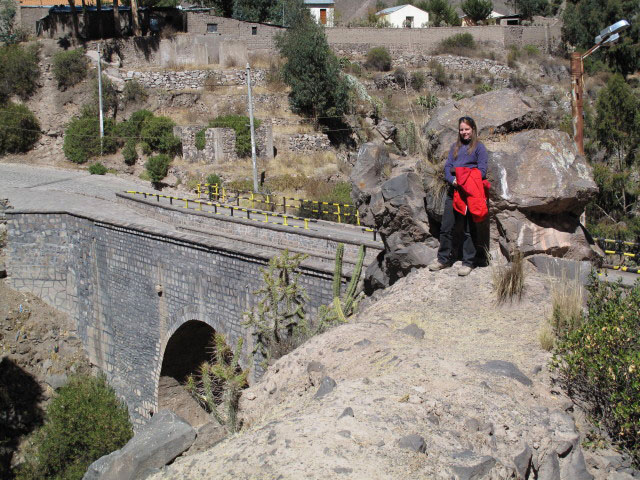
point(474, 136)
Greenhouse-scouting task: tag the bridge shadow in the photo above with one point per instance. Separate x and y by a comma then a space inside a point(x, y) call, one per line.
point(20, 412)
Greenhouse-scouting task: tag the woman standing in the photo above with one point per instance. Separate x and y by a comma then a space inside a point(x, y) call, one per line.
point(465, 204)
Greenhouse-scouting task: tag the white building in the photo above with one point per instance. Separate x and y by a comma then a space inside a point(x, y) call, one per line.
point(404, 16)
point(321, 10)
point(467, 22)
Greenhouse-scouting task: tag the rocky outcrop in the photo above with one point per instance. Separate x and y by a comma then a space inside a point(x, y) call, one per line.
point(540, 186)
point(157, 443)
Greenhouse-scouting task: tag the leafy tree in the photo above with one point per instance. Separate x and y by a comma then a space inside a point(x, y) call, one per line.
point(311, 69)
point(477, 10)
point(584, 19)
point(19, 128)
point(85, 421)
point(19, 71)
point(441, 13)
point(157, 136)
point(529, 8)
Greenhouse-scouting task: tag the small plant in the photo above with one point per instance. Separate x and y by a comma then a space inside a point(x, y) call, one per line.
point(508, 281)
point(85, 421)
point(129, 152)
point(408, 139)
point(19, 128)
point(418, 81)
point(220, 382)
point(482, 88)
point(134, 92)
point(400, 76)
point(428, 102)
point(279, 322)
point(213, 179)
point(97, 169)
point(378, 58)
point(513, 56)
point(200, 139)
point(531, 50)
point(70, 67)
point(518, 81)
point(566, 314)
point(157, 167)
point(458, 96)
point(438, 73)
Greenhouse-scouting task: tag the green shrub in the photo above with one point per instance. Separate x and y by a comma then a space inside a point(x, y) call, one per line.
point(69, 67)
point(428, 102)
point(599, 362)
point(130, 129)
point(157, 135)
point(378, 58)
point(400, 76)
point(417, 81)
point(134, 92)
point(19, 128)
point(129, 152)
point(82, 139)
point(531, 50)
point(158, 167)
point(213, 179)
point(201, 139)
point(109, 96)
point(85, 421)
point(482, 88)
point(240, 125)
point(19, 71)
point(438, 73)
point(458, 44)
point(97, 169)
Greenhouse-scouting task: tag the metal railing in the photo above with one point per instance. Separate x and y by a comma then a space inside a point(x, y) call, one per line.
point(624, 251)
point(337, 212)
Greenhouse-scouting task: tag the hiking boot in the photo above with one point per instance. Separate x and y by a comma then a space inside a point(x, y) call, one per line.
point(437, 266)
point(464, 270)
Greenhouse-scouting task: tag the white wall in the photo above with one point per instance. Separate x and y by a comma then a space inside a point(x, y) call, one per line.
point(315, 13)
point(397, 18)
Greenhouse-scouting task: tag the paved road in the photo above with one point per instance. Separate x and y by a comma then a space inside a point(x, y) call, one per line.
point(51, 189)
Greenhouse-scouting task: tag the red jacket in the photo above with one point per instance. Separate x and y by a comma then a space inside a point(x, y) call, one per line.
point(471, 194)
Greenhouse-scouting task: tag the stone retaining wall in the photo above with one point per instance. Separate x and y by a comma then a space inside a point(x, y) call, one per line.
point(308, 142)
point(194, 79)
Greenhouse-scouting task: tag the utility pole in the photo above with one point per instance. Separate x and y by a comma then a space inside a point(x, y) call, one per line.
point(100, 97)
point(253, 135)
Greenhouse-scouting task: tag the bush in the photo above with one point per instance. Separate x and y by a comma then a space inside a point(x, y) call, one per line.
point(213, 179)
point(157, 135)
point(418, 81)
point(82, 138)
point(438, 73)
point(460, 44)
point(134, 92)
point(130, 129)
point(19, 71)
point(109, 96)
point(378, 58)
point(97, 169)
point(400, 76)
point(19, 128)
point(201, 139)
point(69, 67)
point(428, 102)
point(85, 421)
point(158, 167)
point(599, 362)
point(129, 152)
point(531, 50)
point(240, 125)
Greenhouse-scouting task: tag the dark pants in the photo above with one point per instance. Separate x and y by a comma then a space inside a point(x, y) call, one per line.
point(453, 224)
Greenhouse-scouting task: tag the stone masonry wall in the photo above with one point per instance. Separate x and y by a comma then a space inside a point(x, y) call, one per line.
point(194, 79)
point(108, 278)
point(258, 36)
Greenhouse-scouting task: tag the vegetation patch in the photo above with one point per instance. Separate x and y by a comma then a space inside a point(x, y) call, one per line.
point(70, 67)
point(82, 139)
point(85, 421)
point(19, 128)
point(97, 169)
point(378, 58)
point(157, 167)
point(240, 124)
point(19, 71)
point(508, 281)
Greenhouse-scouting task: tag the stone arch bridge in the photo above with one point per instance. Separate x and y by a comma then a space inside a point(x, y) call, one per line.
point(131, 289)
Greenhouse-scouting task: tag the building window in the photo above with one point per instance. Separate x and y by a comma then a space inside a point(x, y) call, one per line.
point(323, 16)
point(254, 30)
point(408, 22)
point(212, 27)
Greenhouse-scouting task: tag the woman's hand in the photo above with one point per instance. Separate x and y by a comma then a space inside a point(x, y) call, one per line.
point(455, 183)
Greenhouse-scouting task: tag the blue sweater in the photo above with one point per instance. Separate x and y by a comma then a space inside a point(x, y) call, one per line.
point(476, 159)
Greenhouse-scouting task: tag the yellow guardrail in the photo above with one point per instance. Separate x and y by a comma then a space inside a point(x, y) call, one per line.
point(342, 211)
point(250, 214)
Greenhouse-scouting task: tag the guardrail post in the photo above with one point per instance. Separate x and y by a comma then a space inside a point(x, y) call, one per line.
point(284, 217)
point(266, 217)
point(358, 218)
point(338, 205)
point(284, 204)
point(251, 200)
point(231, 208)
point(210, 192)
point(306, 224)
point(224, 195)
point(186, 203)
point(198, 189)
point(171, 200)
point(158, 197)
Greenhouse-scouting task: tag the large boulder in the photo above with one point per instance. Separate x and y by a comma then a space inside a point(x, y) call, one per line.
point(496, 112)
point(531, 233)
point(539, 171)
point(156, 444)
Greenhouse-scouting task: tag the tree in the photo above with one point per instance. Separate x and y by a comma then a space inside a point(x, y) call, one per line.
point(528, 8)
point(311, 69)
point(583, 20)
point(7, 16)
point(477, 10)
point(440, 13)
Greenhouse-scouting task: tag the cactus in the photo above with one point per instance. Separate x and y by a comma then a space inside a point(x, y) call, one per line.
point(341, 308)
point(220, 383)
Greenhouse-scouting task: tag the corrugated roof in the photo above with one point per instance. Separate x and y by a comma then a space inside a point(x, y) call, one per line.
point(319, 2)
point(389, 10)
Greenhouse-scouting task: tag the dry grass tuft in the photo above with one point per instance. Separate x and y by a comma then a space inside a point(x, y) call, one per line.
point(508, 280)
point(567, 297)
point(547, 337)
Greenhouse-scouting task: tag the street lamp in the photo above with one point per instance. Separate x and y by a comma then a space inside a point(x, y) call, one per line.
point(607, 37)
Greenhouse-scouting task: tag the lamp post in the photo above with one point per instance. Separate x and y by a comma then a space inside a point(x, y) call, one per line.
point(609, 36)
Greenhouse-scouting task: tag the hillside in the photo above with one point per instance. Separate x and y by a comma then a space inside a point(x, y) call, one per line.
point(427, 382)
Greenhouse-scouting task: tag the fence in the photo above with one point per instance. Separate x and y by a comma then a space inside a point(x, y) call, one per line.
point(622, 252)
